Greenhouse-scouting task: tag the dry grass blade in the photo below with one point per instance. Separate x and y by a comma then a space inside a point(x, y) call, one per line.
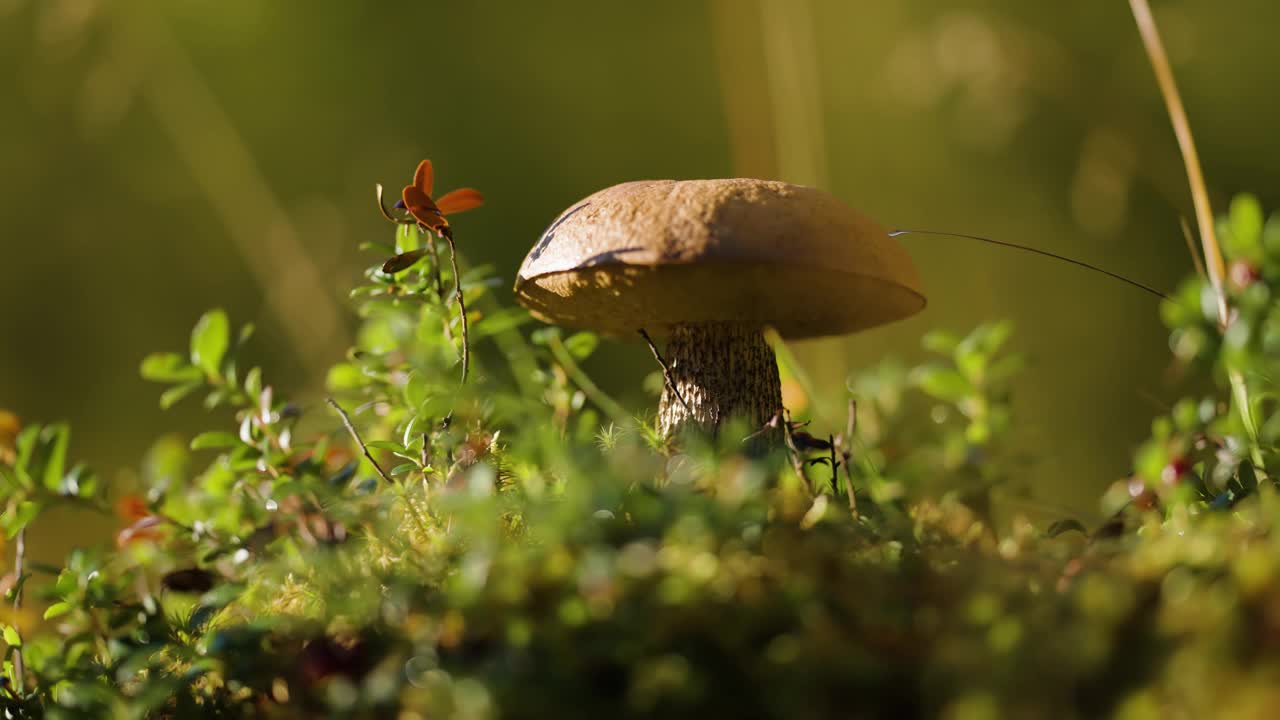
point(1186, 144)
point(1215, 265)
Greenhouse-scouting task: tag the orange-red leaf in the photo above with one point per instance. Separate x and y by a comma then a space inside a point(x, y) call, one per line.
point(460, 200)
point(424, 177)
point(421, 207)
point(132, 508)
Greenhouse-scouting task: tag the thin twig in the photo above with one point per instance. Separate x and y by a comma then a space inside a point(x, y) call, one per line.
point(666, 371)
point(797, 460)
point(462, 304)
point(355, 435)
point(404, 495)
point(19, 562)
point(1213, 259)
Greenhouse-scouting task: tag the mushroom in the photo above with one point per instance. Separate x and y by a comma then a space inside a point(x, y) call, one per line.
point(710, 264)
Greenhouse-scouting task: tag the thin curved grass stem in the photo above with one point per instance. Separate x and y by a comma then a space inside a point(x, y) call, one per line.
point(1215, 265)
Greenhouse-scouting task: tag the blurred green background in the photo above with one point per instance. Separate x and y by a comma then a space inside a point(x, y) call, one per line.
point(162, 158)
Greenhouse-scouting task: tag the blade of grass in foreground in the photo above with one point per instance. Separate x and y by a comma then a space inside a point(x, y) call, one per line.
point(1214, 263)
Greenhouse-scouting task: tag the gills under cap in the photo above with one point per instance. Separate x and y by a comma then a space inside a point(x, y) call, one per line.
point(653, 254)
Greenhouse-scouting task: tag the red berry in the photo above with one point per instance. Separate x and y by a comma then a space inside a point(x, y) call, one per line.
point(1243, 274)
point(1175, 471)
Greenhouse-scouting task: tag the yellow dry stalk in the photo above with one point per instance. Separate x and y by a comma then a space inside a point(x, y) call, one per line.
point(1214, 262)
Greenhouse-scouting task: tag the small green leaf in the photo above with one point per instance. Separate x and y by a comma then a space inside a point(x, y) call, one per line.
point(10, 478)
point(1005, 368)
point(544, 335)
point(501, 321)
point(403, 468)
point(1271, 235)
point(581, 345)
point(57, 609)
point(381, 247)
point(26, 445)
point(941, 341)
point(56, 437)
point(344, 376)
point(216, 398)
point(170, 397)
point(253, 382)
point(12, 637)
point(1245, 224)
point(214, 441)
point(406, 238)
point(386, 445)
point(941, 382)
point(209, 341)
point(79, 482)
point(168, 368)
point(22, 516)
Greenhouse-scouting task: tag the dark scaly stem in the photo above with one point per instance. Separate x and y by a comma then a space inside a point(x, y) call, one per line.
point(719, 370)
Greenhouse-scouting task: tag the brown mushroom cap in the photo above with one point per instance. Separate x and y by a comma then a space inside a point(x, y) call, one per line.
point(653, 254)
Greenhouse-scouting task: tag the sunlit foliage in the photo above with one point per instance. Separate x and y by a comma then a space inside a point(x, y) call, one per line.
point(513, 546)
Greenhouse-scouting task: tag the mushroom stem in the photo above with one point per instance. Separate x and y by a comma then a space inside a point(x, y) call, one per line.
point(721, 370)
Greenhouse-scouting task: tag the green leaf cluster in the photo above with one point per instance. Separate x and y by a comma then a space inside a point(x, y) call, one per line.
point(522, 546)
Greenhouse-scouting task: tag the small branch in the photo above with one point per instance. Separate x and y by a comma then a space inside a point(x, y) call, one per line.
point(19, 566)
point(355, 435)
point(666, 370)
point(462, 304)
point(797, 460)
point(404, 495)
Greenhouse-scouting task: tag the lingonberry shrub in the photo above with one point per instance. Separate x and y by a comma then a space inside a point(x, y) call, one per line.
point(519, 545)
